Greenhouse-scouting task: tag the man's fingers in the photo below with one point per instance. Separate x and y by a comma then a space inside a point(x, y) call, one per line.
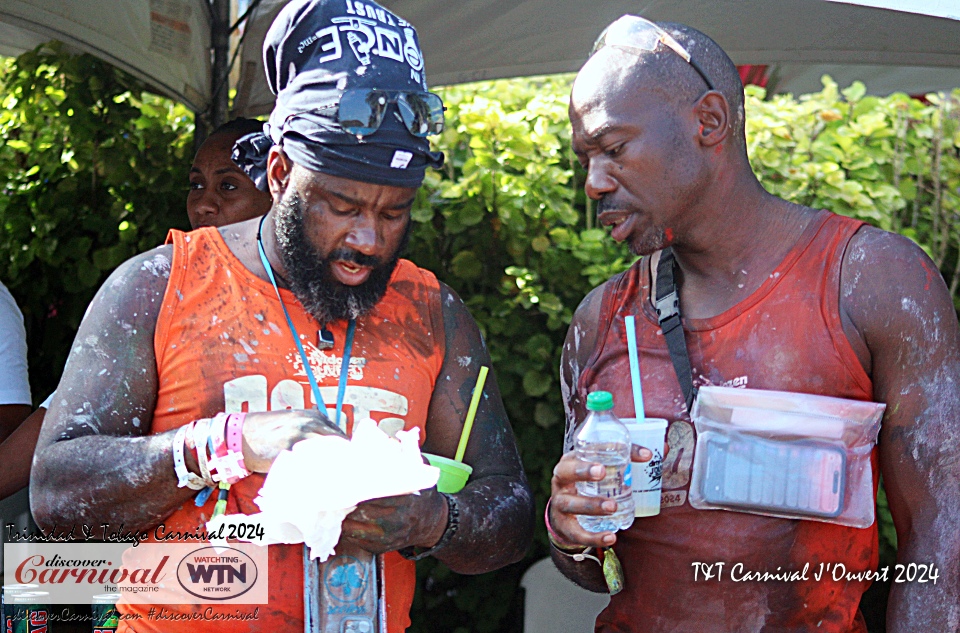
point(565, 524)
point(576, 504)
point(321, 424)
point(640, 453)
point(570, 469)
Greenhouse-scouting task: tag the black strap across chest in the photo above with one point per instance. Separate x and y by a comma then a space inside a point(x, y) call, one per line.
point(668, 314)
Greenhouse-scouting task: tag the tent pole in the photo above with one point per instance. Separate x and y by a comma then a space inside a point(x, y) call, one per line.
point(220, 39)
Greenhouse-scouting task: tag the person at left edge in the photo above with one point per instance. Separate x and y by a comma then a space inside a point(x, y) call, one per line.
point(194, 328)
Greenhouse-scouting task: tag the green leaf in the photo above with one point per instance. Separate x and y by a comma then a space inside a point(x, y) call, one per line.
point(536, 384)
point(466, 265)
point(540, 244)
point(546, 416)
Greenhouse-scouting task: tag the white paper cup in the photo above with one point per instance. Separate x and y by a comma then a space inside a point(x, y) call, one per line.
point(650, 434)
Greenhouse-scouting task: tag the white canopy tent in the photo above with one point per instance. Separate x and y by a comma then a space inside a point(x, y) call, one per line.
point(163, 42)
point(469, 40)
point(168, 42)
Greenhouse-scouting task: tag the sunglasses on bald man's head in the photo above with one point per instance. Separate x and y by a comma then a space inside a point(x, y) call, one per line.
point(361, 110)
point(635, 33)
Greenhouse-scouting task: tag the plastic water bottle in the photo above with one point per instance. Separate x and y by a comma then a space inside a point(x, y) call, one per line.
point(603, 439)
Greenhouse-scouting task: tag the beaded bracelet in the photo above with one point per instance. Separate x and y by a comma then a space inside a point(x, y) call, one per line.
point(453, 523)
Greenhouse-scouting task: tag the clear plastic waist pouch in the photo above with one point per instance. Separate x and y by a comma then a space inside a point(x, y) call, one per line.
point(788, 455)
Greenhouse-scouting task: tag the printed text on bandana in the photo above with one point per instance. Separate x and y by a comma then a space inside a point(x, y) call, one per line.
point(367, 31)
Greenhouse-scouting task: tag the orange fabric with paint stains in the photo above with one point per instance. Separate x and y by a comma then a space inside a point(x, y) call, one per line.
point(786, 336)
point(222, 343)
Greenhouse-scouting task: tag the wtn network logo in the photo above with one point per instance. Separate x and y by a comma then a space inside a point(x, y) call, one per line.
point(217, 573)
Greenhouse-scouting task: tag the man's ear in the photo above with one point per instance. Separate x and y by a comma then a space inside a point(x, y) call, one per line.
point(279, 166)
point(713, 113)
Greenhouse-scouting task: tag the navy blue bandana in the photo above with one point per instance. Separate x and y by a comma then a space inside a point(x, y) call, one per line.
point(315, 50)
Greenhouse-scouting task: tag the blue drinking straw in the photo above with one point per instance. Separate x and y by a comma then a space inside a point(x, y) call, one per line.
point(634, 367)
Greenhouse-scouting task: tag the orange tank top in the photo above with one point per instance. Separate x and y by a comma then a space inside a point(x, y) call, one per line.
point(786, 336)
point(222, 344)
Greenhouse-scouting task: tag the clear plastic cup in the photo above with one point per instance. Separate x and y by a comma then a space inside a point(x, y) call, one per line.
point(453, 474)
point(650, 434)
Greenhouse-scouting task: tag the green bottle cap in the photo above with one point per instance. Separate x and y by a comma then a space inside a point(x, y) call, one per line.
point(600, 401)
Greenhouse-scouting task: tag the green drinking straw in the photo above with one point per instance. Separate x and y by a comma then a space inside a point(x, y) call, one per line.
point(631, 328)
point(471, 413)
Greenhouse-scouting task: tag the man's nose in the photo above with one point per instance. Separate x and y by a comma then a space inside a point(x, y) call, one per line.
point(598, 182)
point(363, 237)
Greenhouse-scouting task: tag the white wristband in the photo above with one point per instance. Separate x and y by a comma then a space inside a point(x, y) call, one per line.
point(185, 478)
point(201, 433)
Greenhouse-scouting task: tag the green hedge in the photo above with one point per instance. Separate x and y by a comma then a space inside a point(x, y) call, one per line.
point(94, 170)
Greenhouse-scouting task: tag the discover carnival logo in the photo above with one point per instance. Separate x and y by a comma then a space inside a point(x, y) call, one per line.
point(151, 573)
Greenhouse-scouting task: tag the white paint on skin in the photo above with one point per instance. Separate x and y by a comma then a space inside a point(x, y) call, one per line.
point(852, 286)
point(464, 361)
point(858, 253)
point(158, 266)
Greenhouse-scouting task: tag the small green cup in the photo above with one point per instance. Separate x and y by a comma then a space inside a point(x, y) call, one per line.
point(453, 474)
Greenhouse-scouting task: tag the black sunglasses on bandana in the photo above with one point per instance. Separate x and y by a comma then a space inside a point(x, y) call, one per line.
point(361, 110)
point(636, 33)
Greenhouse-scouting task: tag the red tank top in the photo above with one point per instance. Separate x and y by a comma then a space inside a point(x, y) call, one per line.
point(786, 336)
point(222, 344)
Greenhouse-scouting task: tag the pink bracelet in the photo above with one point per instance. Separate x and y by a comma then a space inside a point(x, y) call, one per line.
point(226, 463)
point(235, 434)
point(555, 539)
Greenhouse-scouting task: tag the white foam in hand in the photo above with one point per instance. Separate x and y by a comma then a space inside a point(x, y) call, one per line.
point(312, 488)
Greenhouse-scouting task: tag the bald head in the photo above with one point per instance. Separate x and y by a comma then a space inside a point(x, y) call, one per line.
point(658, 144)
point(614, 71)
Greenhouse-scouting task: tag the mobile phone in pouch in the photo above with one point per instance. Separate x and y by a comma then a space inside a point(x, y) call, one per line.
point(793, 478)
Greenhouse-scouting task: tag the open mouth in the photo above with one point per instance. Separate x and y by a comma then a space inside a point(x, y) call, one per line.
point(350, 273)
point(619, 224)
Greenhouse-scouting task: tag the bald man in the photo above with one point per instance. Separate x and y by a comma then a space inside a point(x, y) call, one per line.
point(773, 295)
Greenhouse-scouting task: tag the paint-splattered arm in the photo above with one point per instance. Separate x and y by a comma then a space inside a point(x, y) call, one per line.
point(902, 310)
point(95, 460)
point(564, 501)
point(496, 506)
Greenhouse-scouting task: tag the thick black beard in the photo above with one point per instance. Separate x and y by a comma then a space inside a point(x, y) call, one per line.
point(309, 272)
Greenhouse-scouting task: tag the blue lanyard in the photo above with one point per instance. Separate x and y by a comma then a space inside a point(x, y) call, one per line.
point(347, 347)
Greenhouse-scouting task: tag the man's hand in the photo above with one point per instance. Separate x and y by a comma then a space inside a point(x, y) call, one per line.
point(391, 523)
point(265, 435)
point(566, 503)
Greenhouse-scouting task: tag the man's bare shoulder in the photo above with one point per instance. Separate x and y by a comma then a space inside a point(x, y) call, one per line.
point(114, 343)
point(148, 269)
point(890, 286)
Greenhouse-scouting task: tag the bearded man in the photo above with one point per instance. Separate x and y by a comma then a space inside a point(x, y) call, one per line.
point(212, 323)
